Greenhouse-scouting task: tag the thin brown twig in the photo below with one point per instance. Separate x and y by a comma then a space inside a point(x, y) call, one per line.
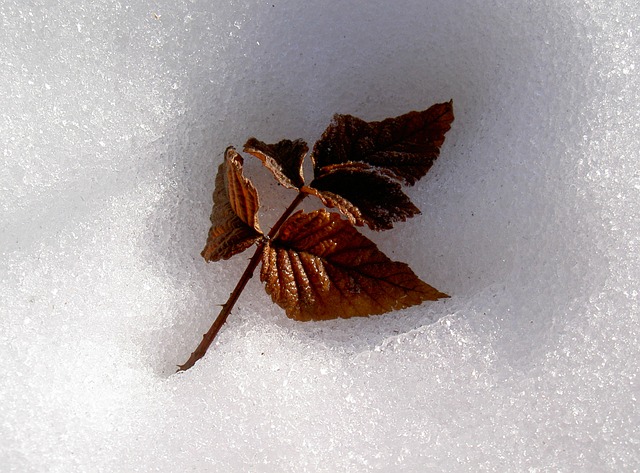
point(208, 337)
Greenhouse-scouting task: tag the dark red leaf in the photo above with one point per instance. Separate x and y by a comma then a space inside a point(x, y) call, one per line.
point(363, 195)
point(405, 146)
point(357, 165)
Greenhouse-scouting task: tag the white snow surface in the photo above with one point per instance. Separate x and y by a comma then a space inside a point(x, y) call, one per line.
point(113, 120)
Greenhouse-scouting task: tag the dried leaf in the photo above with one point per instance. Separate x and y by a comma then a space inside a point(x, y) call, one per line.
point(363, 195)
point(283, 159)
point(357, 165)
point(405, 146)
point(320, 267)
point(234, 220)
point(316, 265)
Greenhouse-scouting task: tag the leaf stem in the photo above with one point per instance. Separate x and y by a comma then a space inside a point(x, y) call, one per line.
point(208, 337)
point(292, 206)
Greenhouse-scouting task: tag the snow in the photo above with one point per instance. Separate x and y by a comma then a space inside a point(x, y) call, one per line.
point(113, 122)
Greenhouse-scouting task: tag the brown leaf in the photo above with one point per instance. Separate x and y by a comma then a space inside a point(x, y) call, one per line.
point(357, 165)
point(363, 195)
point(283, 159)
point(320, 267)
point(404, 146)
point(234, 216)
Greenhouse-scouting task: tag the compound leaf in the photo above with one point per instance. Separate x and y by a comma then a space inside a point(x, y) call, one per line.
point(320, 267)
point(234, 219)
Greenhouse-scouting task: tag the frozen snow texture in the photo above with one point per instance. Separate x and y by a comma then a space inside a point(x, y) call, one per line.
point(113, 121)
